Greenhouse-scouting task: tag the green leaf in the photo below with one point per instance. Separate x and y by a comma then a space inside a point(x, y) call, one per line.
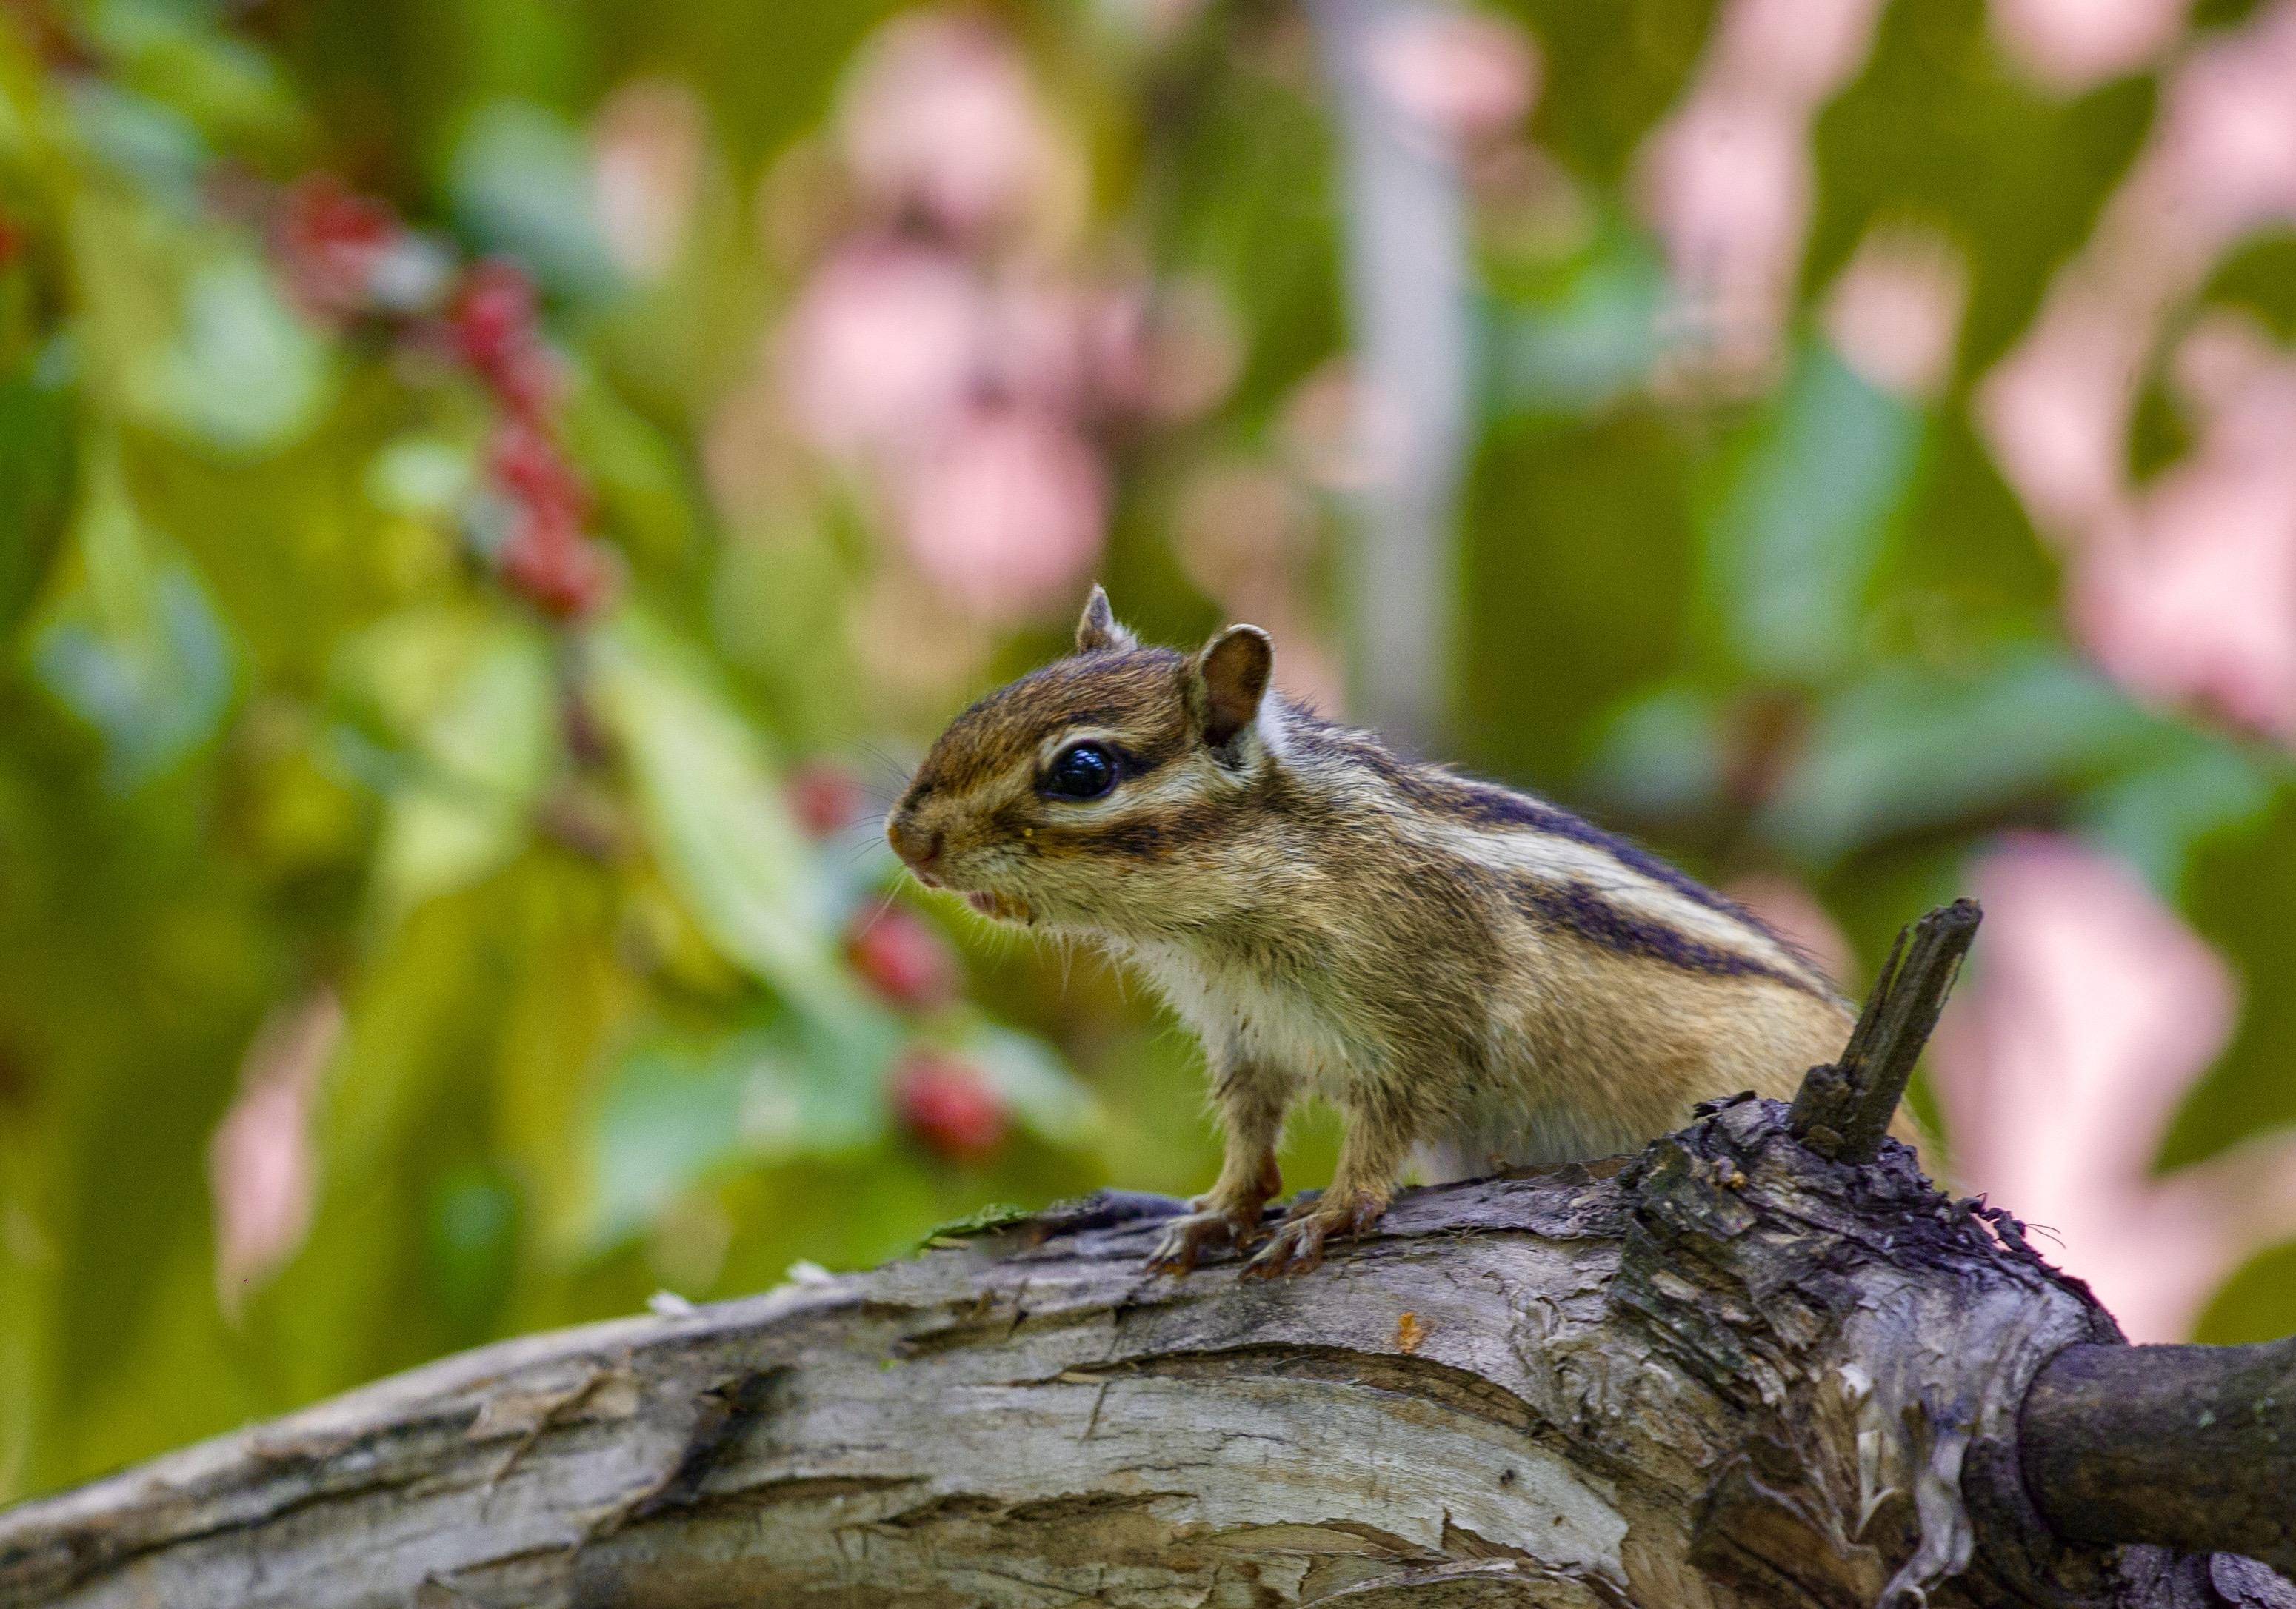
point(821, 1089)
point(1910, 748)
point(1661, 754)
point(1583, 347)
point(716, 818)
point(522, 185)
point(477, 761)
point(2156, 815)
point(1792, 548)
point(672, 1118)
point(422, 477)
point(2257, 1303)
point(223, 86)
point(138, 137)
point(641, 487)
point(244, 375)
point(36, 473)
point(677, 1114)
point(135, 650)
point(471, 1245)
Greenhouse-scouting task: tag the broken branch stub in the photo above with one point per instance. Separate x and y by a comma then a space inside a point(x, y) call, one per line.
point(1844, 1108)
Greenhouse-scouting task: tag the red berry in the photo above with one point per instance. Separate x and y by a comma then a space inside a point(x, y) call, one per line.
point(537, 473)
point(903, 960)
point(557, 569)
point(495, 326)
point(331, 238)
point(495, 312)
point(825, 797)
point(944, 1102)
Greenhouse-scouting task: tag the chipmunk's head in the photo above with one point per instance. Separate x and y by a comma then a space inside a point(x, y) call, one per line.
point(1088, 794)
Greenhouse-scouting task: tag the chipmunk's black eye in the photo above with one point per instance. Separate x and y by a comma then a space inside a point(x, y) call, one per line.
point(1081, 771)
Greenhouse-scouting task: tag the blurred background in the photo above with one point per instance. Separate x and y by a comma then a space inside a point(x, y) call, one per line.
point(494, 493)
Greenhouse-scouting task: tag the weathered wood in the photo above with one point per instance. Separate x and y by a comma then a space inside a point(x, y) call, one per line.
point(2191, 1446)
point(1735, 1373)
point(1842, 1110)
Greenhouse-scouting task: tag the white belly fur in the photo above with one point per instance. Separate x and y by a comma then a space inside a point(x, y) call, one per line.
point(1244, 1019)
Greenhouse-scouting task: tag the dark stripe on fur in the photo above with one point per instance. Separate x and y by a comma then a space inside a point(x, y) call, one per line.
point(1581, 911)
point(1143, 838)
point(1489, 805)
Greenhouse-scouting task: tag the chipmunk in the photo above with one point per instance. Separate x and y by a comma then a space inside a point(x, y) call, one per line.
point(1465, 971)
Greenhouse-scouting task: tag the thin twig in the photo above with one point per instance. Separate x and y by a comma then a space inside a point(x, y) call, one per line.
point(1844, 1108)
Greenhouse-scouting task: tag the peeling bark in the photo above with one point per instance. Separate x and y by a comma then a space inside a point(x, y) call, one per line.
point(1735, 1372)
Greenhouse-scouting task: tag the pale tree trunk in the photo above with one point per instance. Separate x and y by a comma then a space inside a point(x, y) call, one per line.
point(1749, 1367)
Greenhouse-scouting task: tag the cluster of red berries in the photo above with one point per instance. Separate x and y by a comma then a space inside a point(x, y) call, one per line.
point(546, 558)
point(942, 1100)
point(346, 257)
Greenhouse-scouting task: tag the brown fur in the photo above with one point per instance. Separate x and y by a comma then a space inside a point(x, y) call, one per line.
point(1467, 972)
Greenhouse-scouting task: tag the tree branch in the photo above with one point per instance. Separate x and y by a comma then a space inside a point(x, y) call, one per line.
point(1842, 1110)
point(2188, 1446)
point(1734, 1372)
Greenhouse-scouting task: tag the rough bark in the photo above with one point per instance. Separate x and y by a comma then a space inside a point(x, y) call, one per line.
point(2191, 1446)
point(1735, 1372)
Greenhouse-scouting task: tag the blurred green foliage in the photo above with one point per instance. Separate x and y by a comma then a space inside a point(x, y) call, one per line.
point(275, 729)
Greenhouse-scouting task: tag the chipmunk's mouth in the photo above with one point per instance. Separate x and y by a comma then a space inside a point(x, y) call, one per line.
point(1003, 906)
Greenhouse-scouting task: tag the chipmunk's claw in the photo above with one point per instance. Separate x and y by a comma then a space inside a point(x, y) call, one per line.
point(1187, 1238)
point(1298, 1247)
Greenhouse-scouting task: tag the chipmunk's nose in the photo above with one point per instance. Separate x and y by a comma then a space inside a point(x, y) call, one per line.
point(918, 846)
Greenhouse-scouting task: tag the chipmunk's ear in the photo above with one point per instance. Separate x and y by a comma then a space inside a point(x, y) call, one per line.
point(1096, 629)
point(1229, 681)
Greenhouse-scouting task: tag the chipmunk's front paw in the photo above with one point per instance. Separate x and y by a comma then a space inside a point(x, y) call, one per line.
point(1210, 1229)
point(1299, 1244)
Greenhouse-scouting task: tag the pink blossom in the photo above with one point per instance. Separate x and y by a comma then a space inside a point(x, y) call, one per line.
point(1727, 182)
point(2072, 45)
point(262, 1170)
point(1004, 509)
point(1895, 311)
point(2187, 589)
point(2223, 159)
point(1166, 353)
point(1795, 52)
point(2220, 163)
point(2193, 599)
point(1338, 434)
point(1039, 343)
point(648, 166)
point(2057, 410)
point(1726, 179)
point(1244, 534)
point(1466, 76)
point(1248, 537)
point(2090, 1010)
point(941, 120)
point(886, 339)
